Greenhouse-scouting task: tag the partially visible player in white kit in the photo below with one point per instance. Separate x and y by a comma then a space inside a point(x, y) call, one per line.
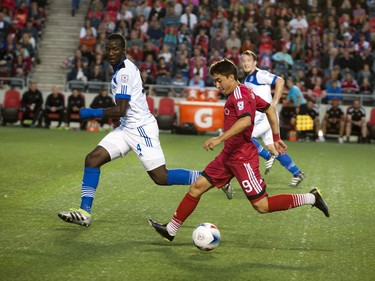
point(137, 132)
point(261, 81)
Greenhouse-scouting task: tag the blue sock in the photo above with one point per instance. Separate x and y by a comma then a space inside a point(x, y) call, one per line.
point(182, 176)
point(288, 163)
point(262, 152)
point(89, 183)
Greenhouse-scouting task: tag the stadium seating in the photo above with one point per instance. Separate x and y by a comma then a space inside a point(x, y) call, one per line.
point(371, 124)
point(75, 84)
point(151, 104)
point(11, 106)
point(164, 82)
point(53, 116)
point(74, 117)
point(17, 82)
point(166, 116)
point(95, 86)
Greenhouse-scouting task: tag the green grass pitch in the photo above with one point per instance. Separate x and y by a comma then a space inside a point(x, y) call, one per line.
point(41, 172)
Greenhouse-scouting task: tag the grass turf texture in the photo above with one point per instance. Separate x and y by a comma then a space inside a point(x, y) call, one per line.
point(41, 172)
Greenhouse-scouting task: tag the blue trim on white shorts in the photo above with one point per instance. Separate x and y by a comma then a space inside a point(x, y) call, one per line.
point(143, 134)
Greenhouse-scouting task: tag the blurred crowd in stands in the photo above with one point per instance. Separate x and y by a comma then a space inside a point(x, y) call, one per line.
point(324, 49)
point(326, 46)
point(21, 24)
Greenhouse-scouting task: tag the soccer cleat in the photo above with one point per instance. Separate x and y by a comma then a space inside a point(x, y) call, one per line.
point(269, 163)
point(341, 140)
point(76, 216)
point(296, 180)
point(161, 229)
point(319, 202)
point(228, 190)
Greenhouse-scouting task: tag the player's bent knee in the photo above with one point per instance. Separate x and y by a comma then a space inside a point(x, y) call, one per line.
point(159, 175)
point(261, 206)
point(199, 187)
point(97, 158)
point(90, 160)
point(159, 180)
point(261, 210)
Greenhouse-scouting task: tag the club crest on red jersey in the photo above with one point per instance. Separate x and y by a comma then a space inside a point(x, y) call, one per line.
point(240, 105)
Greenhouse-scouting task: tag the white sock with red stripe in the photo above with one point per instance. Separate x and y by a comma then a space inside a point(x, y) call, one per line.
point(173, 226)
point(186, 207)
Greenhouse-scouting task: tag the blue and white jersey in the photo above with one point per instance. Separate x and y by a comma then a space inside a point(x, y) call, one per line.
point(127, 84)
point(260, 82)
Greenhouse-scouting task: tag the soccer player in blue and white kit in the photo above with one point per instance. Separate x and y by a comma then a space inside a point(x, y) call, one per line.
point(260, 81)
point(137, 132)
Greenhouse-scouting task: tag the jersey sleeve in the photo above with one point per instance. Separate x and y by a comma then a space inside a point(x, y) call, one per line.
point(124, 82)
point(242, 103)
point(261, 104)
point(265, 77)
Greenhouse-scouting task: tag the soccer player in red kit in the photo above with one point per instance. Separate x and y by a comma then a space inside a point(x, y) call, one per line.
point(239, 157)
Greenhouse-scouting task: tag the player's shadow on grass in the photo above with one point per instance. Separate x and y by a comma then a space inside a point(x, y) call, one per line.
point(188, 261)
point(80, 243)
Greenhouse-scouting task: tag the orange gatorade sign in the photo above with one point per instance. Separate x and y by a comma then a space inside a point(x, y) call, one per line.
point(206, 116)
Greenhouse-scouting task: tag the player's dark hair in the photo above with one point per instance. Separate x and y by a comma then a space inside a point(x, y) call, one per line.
point(224, 67)
point(118, 36)
point(250, 53)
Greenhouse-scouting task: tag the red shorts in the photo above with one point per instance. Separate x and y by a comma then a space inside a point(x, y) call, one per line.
point(221, 170)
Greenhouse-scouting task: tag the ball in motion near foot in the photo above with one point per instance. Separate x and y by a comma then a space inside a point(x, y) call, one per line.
point(206, 236)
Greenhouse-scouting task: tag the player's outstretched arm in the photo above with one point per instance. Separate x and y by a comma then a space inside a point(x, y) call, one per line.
point(279, 88)
point(274, 123)
point(272, 119)
point(238, 127)
point(116, 111)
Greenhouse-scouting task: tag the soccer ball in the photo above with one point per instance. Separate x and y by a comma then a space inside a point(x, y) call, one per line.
point(206, 236)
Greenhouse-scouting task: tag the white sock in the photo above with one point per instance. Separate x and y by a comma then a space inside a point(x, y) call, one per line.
point(173, 227)
point(303, 199)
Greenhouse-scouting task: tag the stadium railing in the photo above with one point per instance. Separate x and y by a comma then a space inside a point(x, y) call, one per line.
point(168, 90)
point(87, 87)
point(348, 98)
point(180, 92)
point(14, 82)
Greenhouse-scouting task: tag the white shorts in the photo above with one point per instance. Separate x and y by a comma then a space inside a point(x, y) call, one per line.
point(262, 129)
point(144, 141)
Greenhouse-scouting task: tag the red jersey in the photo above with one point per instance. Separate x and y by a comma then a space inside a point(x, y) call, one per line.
point(241, 102)
point(239, 158)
